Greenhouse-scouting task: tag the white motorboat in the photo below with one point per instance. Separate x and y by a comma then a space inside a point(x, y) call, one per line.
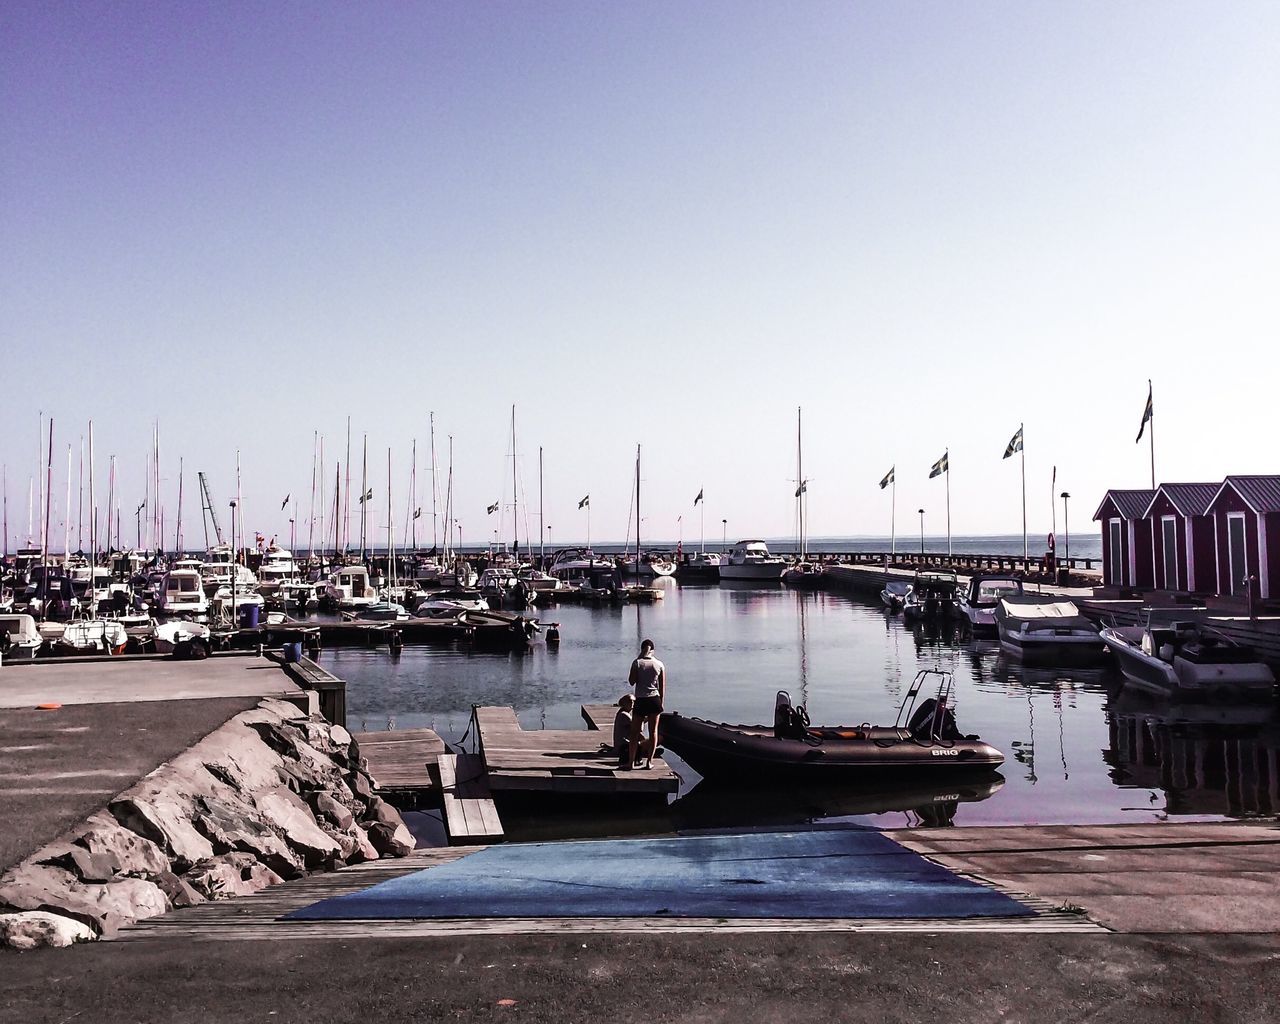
point(539, 581)
point(895, 593)
point(177, 634)
point(223, 602)
point(182, 593)
point(805, 575)
point(750, 560)
point(19, 638)
point(448, 603)
point(932, 596)
point(978, 600)
point(349, 588)
point(652, 565)
point(1187, 661)
point(379, 611)
point(578, 565)
point(88, 636)
point(277, 567)
point(1044, 627)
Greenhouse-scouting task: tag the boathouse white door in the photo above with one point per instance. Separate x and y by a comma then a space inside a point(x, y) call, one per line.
point(1238, 559)
point(1169, 537)
point(1117, 553)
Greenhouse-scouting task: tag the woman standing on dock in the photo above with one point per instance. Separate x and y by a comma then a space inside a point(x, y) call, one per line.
point(649, 677)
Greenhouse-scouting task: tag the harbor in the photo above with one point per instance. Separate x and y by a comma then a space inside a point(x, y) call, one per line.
point(665, 513)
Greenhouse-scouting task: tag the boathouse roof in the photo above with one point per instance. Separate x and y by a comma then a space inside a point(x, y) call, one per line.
point(1188, 499)
point(1130, 504)
point(1260, 493)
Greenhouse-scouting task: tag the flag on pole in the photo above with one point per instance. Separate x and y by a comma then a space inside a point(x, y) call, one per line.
point(888, 478)
point(804, 486)
point(1146, 415)
point(493, 508)
point(1014, 445)
point(368, 496)
point(417, 513)
point(943, 465)
point(585, 502)
point(286, 499)
point(698, 498)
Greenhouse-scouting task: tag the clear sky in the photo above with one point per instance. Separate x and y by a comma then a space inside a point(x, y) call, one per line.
point(664, 224)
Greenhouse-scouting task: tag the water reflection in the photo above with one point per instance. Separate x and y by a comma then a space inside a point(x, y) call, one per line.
point(728, 650)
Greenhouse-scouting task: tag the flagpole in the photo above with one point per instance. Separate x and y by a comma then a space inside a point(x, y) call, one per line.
point(1026, 554)
point(1152, 434)
point(702, 523)
point(948, 502)
point(893, 517)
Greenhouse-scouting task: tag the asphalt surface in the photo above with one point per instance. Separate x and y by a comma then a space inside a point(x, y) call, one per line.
point(736, 978)
point(58, 767)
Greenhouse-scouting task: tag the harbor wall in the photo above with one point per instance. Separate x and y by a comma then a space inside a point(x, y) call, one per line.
point(270, 795)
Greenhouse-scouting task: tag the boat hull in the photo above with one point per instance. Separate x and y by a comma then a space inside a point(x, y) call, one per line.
point(719, 751)
point(1182, 680)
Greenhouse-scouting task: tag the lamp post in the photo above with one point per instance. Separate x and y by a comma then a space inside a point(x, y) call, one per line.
point(1066, 532)
point(549, 544)
point(921, 511)
point(459, 538)
point(724, 533)
point(234, 574)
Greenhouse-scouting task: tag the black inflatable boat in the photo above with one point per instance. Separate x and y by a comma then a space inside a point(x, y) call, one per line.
point(924, 739)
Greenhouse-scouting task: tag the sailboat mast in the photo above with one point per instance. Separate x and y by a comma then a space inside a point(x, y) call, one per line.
point(435, 489)
point(337, 511)
point(448, 504)
point(364, 495)
point(346, 515)
point(411, 516)
point(93, 528)
point(391, 537)
point(637, 510)
point(311, 517)
point(177, 533)
point(80, 504)
point(66, 515)
point(515, 494)
point(542, 527)
point(800, 487)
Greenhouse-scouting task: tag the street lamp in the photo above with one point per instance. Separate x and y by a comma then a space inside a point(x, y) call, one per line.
point(234, 620)
point(459, 538)
point(921, 511)
point(724, 533)
point(1066, 532)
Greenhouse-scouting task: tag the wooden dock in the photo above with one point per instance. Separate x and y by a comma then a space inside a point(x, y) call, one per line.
point(400, 761)
point(470, 814)
point(561, 761)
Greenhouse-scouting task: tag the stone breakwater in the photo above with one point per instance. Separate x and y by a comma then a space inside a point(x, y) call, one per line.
point(270, 795)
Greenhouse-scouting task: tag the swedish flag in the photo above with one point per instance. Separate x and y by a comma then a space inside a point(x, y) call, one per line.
point(493, 508)
point(585, 502)
point(888, 478)
point(943, 465)
point(1015, 444)
point(1146, 415)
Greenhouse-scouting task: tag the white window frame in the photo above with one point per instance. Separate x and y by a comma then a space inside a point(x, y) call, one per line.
point(1165, 535)
point(1116, 533)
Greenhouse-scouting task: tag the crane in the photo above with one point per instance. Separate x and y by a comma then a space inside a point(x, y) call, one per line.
point(207, 506)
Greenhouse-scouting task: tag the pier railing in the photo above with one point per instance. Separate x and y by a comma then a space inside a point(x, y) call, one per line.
point(967, 561)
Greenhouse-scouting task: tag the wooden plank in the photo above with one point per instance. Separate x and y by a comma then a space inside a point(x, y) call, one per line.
point(401, 758)
point(599, 716)
point(559, 761)
point(470, 813)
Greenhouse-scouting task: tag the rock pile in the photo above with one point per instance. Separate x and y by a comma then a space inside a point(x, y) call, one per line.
point(269, 796)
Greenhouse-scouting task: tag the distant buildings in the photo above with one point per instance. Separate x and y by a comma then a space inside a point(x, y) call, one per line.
point(1203, 538)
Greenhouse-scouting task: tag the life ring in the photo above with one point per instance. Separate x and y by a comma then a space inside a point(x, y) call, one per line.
point(1051, 542)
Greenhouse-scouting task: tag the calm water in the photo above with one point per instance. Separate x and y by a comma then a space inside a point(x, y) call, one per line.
point(1078, 751)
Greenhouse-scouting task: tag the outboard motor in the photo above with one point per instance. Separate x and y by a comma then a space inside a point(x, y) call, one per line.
point(933, 719)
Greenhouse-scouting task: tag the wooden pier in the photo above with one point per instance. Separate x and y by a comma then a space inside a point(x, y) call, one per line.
point(400, 761)
point(470, 814)
point(559, 761)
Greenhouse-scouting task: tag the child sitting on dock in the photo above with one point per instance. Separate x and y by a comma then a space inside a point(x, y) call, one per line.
point(622, 729)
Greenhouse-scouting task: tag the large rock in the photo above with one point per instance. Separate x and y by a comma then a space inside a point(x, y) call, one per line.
point(380, 810)
point(34, 928)
point(177, 889)
point(332, 810)
point(165, 819)
point(391, 840)
point(238, 826)
point(230, 874)
point(134, 854)
point(86, 866)
point(287, 812)
point(106, 907)
point(365, 850)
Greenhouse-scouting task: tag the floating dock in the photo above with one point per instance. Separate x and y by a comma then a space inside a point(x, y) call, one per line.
point(559, 761)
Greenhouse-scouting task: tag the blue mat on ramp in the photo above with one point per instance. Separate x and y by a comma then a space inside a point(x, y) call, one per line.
point(835, 873)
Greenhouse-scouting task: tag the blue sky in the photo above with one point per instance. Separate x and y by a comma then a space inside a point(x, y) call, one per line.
point(664, 224)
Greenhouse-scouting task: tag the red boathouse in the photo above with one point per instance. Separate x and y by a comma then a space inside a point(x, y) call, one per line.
point(1182, 541)
point(1126, 538)
point(1246, 518)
